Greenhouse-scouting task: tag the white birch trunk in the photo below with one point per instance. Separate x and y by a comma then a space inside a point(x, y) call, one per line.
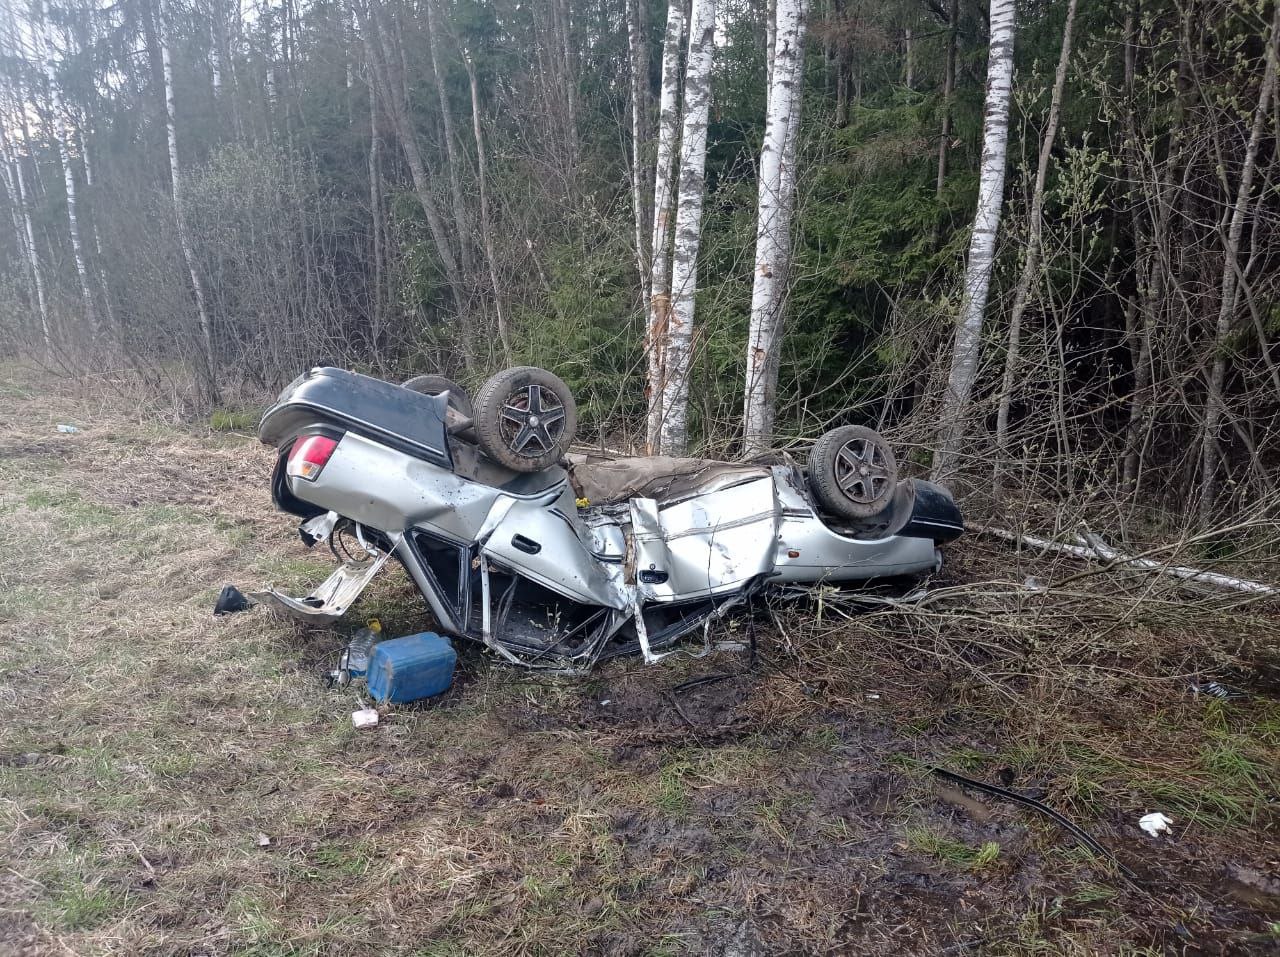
point(776, 202)
point(1031, 261)
point(1214, 403)
point(11, 193)
point(26, 196)
point(638, 50)
point(664, 183)
point(68, 174)
point(215, 48)
point(99, 258)
point(184, 237)
point(982, 244)
point(677, 344)
point(29, 240)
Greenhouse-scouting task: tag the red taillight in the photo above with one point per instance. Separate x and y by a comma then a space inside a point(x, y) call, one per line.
point(309, 456)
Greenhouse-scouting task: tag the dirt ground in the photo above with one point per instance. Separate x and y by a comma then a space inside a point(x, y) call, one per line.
point(175, 784)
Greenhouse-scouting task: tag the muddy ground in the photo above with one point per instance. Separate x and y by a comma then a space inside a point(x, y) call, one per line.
point(175, 784)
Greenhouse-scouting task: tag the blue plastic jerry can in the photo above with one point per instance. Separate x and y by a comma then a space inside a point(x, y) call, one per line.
point(410, 668)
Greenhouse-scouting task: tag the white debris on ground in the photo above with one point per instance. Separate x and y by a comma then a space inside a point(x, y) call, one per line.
point(1155, 823)
point(364, 718)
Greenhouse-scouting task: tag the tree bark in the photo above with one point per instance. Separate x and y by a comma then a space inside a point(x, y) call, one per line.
point(215, 50)
point(14, 107)
point(486, 227)
point(450, 139)
point(664, 189)
point(776, 201)
point(908, 55)
point(948, 91)
point(99, 258)
point(61, 132)
point(15, 208)
point(184, 238)
point(1031, 262)
point(677, 344)
point(375, 209)
point(638, 50)
point(28, 239)
point(1210, 456)
point(982, 245)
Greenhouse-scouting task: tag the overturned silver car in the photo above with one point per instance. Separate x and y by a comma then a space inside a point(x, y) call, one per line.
point(557, 560)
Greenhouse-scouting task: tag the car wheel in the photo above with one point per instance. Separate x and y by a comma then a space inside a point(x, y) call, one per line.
point(525, 418)
point(459, 401)
point(852, 472)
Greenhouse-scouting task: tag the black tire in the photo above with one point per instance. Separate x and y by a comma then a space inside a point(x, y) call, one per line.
point(852, 472)
point(514, 433)
point(459, 401)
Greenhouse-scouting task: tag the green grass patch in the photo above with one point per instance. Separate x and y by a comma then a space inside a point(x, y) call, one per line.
point(952, 852)
point(74, 900)
point(341, 861)
point(82, 907)
point(71, 507)
point(671, 796)
point(233, 420)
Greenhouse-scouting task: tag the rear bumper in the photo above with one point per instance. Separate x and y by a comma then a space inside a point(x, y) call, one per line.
point(935, 515)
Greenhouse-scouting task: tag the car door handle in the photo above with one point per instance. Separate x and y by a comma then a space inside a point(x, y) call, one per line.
point(526, 545)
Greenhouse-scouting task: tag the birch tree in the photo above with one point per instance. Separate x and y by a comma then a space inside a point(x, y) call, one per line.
point(1031, 256)
point(775, 204)
point(677, 342)
point(11, 194)
point(62, 134)
point(982, 243)
point(664, 189)
point(28, 237)
point(184, 234)
point(638, 62)
point(948, 92)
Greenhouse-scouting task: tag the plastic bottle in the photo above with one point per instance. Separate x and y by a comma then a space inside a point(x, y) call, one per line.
point(361, 647)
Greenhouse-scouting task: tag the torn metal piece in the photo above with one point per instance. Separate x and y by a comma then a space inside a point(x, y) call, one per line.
point(331, 599)
point(319, 529)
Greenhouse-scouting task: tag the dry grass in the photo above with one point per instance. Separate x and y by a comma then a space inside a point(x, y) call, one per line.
point(145, 746)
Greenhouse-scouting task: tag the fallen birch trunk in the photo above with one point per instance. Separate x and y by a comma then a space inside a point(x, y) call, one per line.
point(1095, 549)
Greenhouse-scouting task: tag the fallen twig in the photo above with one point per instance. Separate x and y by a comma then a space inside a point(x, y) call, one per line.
point(1094, 548)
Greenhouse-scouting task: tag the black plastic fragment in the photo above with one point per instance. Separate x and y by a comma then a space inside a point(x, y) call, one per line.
point(231, 600)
